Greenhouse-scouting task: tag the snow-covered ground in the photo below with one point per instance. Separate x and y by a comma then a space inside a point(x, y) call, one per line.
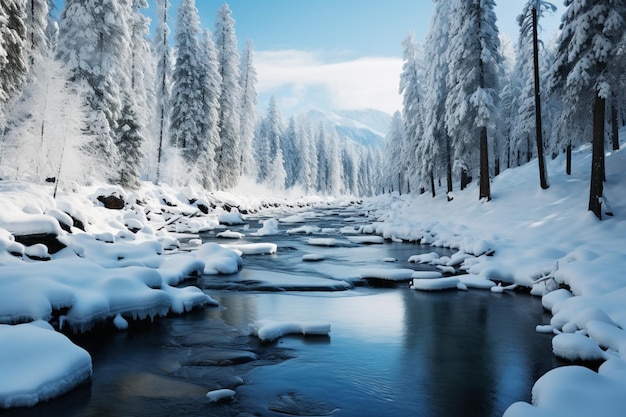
point(544, 240)
point(103, 265)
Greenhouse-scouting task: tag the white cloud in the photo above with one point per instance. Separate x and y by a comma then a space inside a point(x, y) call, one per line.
point(302, 80)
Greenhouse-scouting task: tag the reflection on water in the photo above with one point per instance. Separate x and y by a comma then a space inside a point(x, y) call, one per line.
point(402, 353)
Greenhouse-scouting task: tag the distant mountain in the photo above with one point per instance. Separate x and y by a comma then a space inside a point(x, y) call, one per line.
point(366, 127)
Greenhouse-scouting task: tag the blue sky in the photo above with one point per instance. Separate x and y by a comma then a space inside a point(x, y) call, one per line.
point(334, 54)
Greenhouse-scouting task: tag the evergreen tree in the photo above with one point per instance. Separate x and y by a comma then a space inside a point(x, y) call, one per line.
point(187, 112)
point(590, 38)
point(94, 43)
point(248, 83)
point(36, 27)
point(210, 85)
point(291, 152)
point(13, 50)
point(474, 66)
point(163, 82)
point(268, 140)
point(411, 159)
point(130, 141)
point(393, 172)
point(437, 143)
point(229, 153)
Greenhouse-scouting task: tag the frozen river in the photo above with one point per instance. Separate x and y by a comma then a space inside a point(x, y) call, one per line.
point(391, 352)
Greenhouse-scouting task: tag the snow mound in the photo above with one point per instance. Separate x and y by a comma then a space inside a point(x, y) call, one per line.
point(575, 346)
point(270, 227)
point(270, 330)
point(38, 364)
point(254, 248)
point(230, 218)
point(227, 234)
point(296, 218)
point(313, 257)
point(437, 284)
point(307, 230)
point(219, 395)
point(325, 241)
point(388, 274)
point(371, 240)
point(424, 258)
point(218, 260)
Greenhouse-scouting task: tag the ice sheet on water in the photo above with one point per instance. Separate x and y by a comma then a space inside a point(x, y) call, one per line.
point(369, 239)
point(263, 248)
point(388, 274)
point(436, 284)
point(305, 229)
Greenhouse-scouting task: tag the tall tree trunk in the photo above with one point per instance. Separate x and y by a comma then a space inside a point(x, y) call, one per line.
point(568, 158)
point(614, 125)
point(541, 161)
point(448, 166)
point(465, 179)
point(597, 157)
point(485, 190)
point(432, 183)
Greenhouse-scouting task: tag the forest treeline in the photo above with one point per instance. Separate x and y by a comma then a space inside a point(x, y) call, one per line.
point(95, 96)
point(469, 113)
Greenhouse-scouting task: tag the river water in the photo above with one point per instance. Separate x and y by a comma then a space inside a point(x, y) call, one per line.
point(391, 351)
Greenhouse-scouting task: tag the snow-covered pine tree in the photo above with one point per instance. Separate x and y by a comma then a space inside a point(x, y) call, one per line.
point(437, 142)
point(291, 152)
point(277, 174)
point(474, 67)
point(393, 172)
point(211, 84)
point(52, 27)
point(94, 44)
point(129, 144)
point(13, 51)
point(248, 83)
point(187, 112)
point(411, 159)
point(529, 119)
point(350, 167)
point(163, 82)
point(268, 140)
point(591, 34)
point(323, 158)
point(229, 152)
point(36, 26)
point(335, 174)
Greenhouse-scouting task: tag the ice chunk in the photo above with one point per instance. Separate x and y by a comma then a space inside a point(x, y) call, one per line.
point(231, 218)
point(426, 274)
point(120, 322)
point(388, 274)
point(296, 218)
point(436, 284)
point(424, 258)
point(308, 230)
point(270, 330)
point(227, 234)
point(254, 248)
point(313, 257)
point(324, 241)
point(370, 239)
point(220, 395)
point(38, 364)
point(270, 227)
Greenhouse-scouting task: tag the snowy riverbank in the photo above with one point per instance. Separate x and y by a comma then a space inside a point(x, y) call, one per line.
point(544, 239)
point(95, 264)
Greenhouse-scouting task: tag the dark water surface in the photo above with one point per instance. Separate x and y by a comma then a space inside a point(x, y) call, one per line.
point(391, 351)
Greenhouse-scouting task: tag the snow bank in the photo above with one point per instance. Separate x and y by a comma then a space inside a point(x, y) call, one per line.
point(544, 240)
point(266, 248)
point(366, 239)
point(399, 274)
point(270, 330)
point(38, 364)
point(437, 284)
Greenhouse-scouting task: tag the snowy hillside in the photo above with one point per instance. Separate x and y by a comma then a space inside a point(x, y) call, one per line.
point(359, 126)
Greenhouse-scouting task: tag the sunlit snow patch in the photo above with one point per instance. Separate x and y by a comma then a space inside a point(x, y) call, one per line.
point(270, 330)
point(38, 364)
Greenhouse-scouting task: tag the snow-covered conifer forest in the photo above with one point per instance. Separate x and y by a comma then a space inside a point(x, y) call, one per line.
point(118, 141)
point(94, 96)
